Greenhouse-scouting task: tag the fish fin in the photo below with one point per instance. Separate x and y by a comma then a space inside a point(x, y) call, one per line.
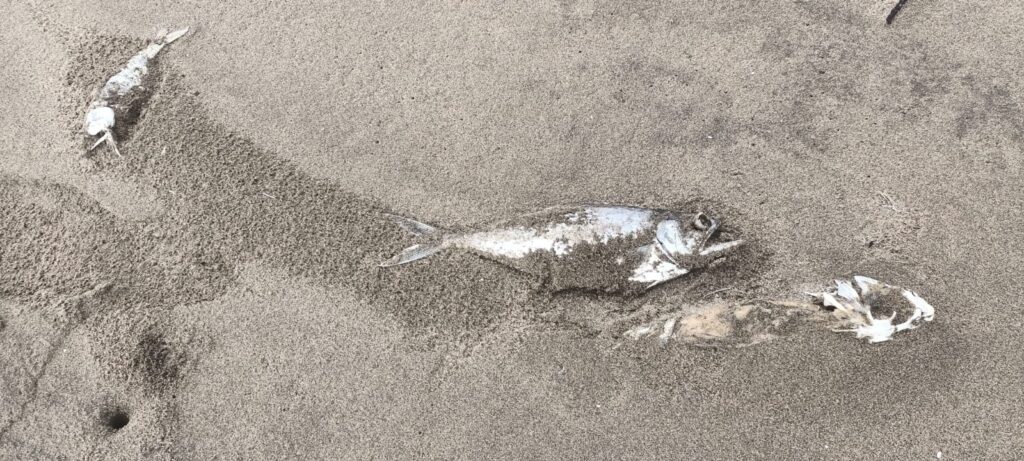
point(845, 290)
point(107, 137)
point(867, 285)
point(660, 248)
point(413, 253)
point(97, 143)
point(671, 275)
point(172, 36)
point(413, 226)
point(113, 143)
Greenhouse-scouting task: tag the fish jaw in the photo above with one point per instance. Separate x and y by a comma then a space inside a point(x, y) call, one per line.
point(721, 249)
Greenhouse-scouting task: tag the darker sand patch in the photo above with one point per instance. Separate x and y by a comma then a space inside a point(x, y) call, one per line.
point(58, 243)
point(85, 271)
point(243, 203)
point(157, 360)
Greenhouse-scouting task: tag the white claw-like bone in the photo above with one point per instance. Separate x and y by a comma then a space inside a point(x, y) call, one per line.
point(867, 284)
point(853, 309)
point(845, 290)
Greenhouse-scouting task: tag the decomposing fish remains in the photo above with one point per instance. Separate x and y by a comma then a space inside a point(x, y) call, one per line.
point(853, 308)
point(721, 324)
point(843, 309)
point(613, 248)
point(124, 93)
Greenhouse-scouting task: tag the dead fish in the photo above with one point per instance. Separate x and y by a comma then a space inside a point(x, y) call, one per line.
point(746, 323)
point(612, 248)
point(853, 308)
point(124, 92)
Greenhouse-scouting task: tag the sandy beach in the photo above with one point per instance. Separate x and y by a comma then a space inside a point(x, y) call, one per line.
point(215, 292)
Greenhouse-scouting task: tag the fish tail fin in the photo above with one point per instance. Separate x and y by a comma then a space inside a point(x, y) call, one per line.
point(108, 137)
point(413, 253)
point(419, 250)
point(172, 36)
point(413, 226)
point(163, 39)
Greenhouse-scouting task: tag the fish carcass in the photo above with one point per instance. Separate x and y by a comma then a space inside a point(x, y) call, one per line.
point(611, 248)
point(852, 308)
point(124, 93)
point(870, 311)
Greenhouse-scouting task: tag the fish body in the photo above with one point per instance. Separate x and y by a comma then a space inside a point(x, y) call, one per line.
point(124, 92)
point(611, 248)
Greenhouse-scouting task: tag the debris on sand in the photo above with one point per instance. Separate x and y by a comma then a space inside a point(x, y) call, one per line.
point(124, 92)
point(854, 309)
point(895, 10)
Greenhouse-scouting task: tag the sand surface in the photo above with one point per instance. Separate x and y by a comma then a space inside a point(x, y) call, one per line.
point(214, 294)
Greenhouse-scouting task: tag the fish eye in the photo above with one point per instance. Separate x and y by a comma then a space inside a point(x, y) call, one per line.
point(702, 222)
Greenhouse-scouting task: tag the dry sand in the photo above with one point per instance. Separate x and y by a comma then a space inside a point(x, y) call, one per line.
point(214, 294)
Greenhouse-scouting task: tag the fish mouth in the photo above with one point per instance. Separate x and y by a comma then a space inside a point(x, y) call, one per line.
point(710, 234)
point(717, 249)
point(720, 249)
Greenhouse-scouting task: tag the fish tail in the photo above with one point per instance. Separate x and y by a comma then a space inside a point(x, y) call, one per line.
point(419, 250)
point(413, 226)
point(165, 39)
point(172, 36)
point(413, 253)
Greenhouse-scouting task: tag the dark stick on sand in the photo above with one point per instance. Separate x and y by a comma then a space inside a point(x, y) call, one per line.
point(895, 10)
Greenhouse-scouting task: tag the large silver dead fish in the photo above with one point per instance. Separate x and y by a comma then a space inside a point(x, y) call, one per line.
point(123, 93)
point(614, 248)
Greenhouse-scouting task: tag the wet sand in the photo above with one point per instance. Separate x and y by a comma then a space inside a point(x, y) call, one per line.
point(215, 293)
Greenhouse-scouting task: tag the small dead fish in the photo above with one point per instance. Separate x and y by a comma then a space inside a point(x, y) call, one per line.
point(853, 308)
point(124, 92)
point(612, 248)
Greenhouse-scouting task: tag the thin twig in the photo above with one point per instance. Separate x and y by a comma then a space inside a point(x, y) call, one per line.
point(895, 10)
point(706, 295)
point(71, 308)
point(888, 198)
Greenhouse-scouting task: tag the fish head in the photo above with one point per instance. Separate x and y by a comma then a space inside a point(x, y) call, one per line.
point(692, 241)
point(99, 120)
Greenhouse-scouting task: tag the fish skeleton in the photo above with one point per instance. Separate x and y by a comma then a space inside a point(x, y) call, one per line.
point(613, 248)
point(123, 92)
point(853, 308)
